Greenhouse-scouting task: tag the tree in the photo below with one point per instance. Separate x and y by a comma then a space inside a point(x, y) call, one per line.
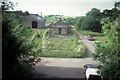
point(117, 5)
point(112, 14)
point(109, 52)
point(70, 21)
point(92, 21)
point(13, 46)
point(7, 5)
point(78, 22)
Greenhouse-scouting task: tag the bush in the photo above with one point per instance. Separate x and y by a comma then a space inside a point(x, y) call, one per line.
point(38, 35)
point(108, 53)
point(13, 46)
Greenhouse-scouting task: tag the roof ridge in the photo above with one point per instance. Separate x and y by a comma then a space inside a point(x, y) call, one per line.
point(57, 21)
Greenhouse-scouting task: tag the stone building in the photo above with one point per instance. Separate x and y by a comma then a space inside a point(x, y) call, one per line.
point(60, 27)
point(34, 21)
point(29, 20)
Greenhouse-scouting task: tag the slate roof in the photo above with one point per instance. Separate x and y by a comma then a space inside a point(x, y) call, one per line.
point(62, 23)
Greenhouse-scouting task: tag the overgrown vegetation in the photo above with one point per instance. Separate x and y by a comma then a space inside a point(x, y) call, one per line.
point(109, 52)
point(37, 41)
point(92, 20)
point(18, 41)
point(14, 46)
point(60, 46)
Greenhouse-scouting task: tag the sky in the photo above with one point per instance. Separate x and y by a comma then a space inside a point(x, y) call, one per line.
point(62, 7)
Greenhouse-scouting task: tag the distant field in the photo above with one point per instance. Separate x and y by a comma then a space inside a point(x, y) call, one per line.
point(63, 46)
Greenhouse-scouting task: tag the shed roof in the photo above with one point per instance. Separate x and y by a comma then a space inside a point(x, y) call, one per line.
point(63, 24)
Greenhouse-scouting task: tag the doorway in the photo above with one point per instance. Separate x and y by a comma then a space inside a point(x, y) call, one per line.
point(34, 24)
point(59, 31)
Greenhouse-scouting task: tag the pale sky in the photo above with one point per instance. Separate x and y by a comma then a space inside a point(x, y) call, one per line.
point(62, 7)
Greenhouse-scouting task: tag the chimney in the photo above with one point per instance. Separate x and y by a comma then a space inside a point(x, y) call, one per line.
point(41, 14)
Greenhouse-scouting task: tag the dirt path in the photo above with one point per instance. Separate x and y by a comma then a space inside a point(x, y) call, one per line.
point(88, 44)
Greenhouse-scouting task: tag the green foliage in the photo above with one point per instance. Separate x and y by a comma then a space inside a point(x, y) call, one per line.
point(34, 36)
point(92, 21)
point(117, 5)
point(13, 45)
point(109, 52)
point(78, 22)
point(70, 20)
point(62, 54)
point(88, 32)
point(7, 5)
point(112, 14)
point(59, 42)
point(60, 46)
point(38, 35)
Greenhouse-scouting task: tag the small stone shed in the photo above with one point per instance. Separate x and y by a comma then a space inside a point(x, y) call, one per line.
point(60, 27)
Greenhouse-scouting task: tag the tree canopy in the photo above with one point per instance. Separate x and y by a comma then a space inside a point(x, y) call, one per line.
point(109, 52)
point(92, 21)
point(14, 45)
point(70, 20)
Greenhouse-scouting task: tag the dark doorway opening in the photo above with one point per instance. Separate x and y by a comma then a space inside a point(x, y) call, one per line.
point(34, 24)
point(59, 31)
